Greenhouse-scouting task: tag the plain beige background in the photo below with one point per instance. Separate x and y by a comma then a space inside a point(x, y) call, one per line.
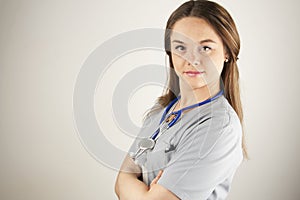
point(42, 47)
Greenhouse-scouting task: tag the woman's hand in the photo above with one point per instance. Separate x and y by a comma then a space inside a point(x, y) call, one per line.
point(154, 181)
point(128, 187)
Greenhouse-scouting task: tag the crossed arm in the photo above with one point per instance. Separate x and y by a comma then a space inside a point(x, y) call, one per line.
point(129, 187)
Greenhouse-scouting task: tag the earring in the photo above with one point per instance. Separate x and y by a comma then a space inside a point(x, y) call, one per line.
point(226, 60)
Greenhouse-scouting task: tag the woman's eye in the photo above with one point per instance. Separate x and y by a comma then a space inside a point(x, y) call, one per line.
point(180, 48)
point(205, 49)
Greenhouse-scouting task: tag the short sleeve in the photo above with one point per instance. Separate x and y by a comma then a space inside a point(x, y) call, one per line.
point(206, 157)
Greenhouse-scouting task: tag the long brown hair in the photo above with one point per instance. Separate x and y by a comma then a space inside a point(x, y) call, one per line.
point(224, 26)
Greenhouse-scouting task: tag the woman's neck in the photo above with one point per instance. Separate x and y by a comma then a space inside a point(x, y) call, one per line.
point(190, 96)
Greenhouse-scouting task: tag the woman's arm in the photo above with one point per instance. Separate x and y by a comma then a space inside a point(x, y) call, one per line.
point(128, 176)
point(129, 187)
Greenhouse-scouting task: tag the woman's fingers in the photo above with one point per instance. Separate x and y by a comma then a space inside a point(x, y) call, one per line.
point(154, 181)
point(159, 174)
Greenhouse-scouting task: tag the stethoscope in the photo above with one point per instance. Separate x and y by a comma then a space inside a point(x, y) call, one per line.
point(149, 143)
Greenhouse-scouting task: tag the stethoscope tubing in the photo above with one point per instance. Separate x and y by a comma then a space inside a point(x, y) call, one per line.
point(179, 112)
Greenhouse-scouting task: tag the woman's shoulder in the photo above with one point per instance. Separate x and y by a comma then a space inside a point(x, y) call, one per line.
point(217, 127)
point(152, 115)
point(218, 111)
point(230, 116)
point(222, 111)
point(153, 111)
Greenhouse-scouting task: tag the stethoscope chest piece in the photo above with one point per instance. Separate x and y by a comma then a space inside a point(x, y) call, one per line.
point(146, 144)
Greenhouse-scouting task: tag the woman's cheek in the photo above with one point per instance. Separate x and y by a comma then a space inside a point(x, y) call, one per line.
point(216, 63)
point(178, 61)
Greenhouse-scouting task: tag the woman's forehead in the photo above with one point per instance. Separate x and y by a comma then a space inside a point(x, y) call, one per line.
point(193, 29)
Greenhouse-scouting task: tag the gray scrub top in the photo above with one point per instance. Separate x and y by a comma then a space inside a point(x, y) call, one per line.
point(199, 154)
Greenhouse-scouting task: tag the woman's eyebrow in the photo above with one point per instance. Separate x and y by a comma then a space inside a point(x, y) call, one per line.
point(207, 40)
point(201, 42)
point(178, 41)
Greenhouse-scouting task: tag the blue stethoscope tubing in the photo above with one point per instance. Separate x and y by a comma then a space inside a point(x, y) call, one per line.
point(179, 112)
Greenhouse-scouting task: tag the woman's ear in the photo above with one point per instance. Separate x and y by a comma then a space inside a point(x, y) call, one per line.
point(226, 54)
point(226, 57)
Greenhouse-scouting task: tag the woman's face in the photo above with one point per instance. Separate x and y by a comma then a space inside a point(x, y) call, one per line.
point(197, 52)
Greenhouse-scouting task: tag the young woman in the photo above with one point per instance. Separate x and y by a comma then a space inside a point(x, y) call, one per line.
point(191, 142)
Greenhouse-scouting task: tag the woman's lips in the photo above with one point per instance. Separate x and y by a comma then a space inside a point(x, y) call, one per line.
point(193, 73)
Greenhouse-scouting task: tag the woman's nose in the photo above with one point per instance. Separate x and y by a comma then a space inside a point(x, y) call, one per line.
point(193, 58)
point(196, 63)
